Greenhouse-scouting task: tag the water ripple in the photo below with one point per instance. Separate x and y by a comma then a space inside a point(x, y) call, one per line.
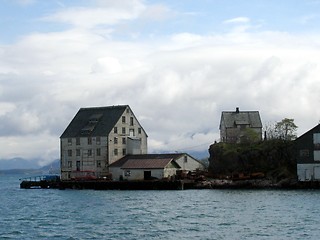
point(190, 214)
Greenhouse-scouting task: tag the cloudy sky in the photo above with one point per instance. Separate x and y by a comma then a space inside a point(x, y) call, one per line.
point(178, 64)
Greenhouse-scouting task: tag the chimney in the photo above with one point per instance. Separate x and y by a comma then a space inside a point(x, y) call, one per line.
point(237, 110)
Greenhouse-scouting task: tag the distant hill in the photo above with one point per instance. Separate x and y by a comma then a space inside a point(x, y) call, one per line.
point(18, 163)
point(22, 166)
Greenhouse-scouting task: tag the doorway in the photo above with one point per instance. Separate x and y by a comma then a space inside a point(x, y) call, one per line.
point(147, 175)
point(78, 165)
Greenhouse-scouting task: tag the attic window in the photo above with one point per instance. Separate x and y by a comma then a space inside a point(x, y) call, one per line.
point(87, 129)
point(95, 118)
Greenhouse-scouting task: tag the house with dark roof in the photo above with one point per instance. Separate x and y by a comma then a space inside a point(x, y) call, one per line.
point(150, 166)
point(97, 137)
point(236, 126)
point(308, 155)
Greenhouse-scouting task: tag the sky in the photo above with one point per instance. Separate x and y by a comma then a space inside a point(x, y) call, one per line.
point(177, 64)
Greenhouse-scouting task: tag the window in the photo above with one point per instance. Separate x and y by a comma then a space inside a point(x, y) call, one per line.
point(115, 140)
point(98, 152)
point(139, 130)
point(69, 141)
point(69, 164)
point(78, 164)
point(131, 121)
point(243, 126)
point(123, 130)
point(131, 132)
point(124, 151)
point(99, 164)
point(69, 153)
point(115, 152)
point(89, 140)
point(89, 152)
point(123, 140)
point(304, 153)
point(78, 152)
point(316, 142)
point(77, 141)
point(123, 119)
point(185, 159)
point(115, 130)
point(98, 140)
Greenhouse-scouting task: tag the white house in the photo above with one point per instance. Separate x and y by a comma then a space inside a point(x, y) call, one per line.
point(97, 137)
point(149, 166)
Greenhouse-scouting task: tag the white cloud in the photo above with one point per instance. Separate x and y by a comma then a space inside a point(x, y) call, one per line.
point(237, 20)
point(308, 18)
point(6, 108)
point(28, 147)
point(177, 85)
point(186, 38)
point(158, 12)
point(91, 17)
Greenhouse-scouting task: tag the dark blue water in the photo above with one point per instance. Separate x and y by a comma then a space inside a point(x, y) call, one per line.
point(189, 214)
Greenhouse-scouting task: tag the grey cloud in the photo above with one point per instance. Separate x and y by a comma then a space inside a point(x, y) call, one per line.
point(178, 91)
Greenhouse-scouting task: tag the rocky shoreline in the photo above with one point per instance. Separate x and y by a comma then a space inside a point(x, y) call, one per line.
point(256, 184)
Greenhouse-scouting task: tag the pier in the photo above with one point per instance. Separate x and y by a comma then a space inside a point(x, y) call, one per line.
point(45, 181)
point(40, 182)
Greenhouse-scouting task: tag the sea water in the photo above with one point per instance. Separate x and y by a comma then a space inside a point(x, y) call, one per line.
point(188, 214)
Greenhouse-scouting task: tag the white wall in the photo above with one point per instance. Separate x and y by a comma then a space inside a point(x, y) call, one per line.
point(190, 164)
point(308, 172)
point(138, 174)
point(87, 163)
point(131, 130)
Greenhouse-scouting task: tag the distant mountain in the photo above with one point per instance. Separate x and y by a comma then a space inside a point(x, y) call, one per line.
point(52, 166)
point(18, 163)
point(23, 166)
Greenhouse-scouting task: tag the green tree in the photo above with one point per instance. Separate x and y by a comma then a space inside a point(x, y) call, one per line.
point(250, 136)
point(286, 129)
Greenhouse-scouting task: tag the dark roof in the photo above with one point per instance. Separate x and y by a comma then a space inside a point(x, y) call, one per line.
point(147, 161)
point(315, 129)
point(231, 119)
point(95, 121)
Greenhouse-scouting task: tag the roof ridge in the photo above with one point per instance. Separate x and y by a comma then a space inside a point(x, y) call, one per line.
point(104, 107)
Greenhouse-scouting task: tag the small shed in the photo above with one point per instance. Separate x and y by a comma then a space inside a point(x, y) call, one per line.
point(152, 166)
point(308, 155)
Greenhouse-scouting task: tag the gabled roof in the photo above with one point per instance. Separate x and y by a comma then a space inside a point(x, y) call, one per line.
point(147, 161)
point(251, 118)
point(315, 129)
point(95, 121)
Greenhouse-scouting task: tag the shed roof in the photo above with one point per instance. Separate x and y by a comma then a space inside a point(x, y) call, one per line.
point(230, 119)
point(147, 161)
point(95, 121)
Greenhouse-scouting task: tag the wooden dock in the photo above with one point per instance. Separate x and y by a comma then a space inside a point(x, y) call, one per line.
point(45, 181)
point(108, 185)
